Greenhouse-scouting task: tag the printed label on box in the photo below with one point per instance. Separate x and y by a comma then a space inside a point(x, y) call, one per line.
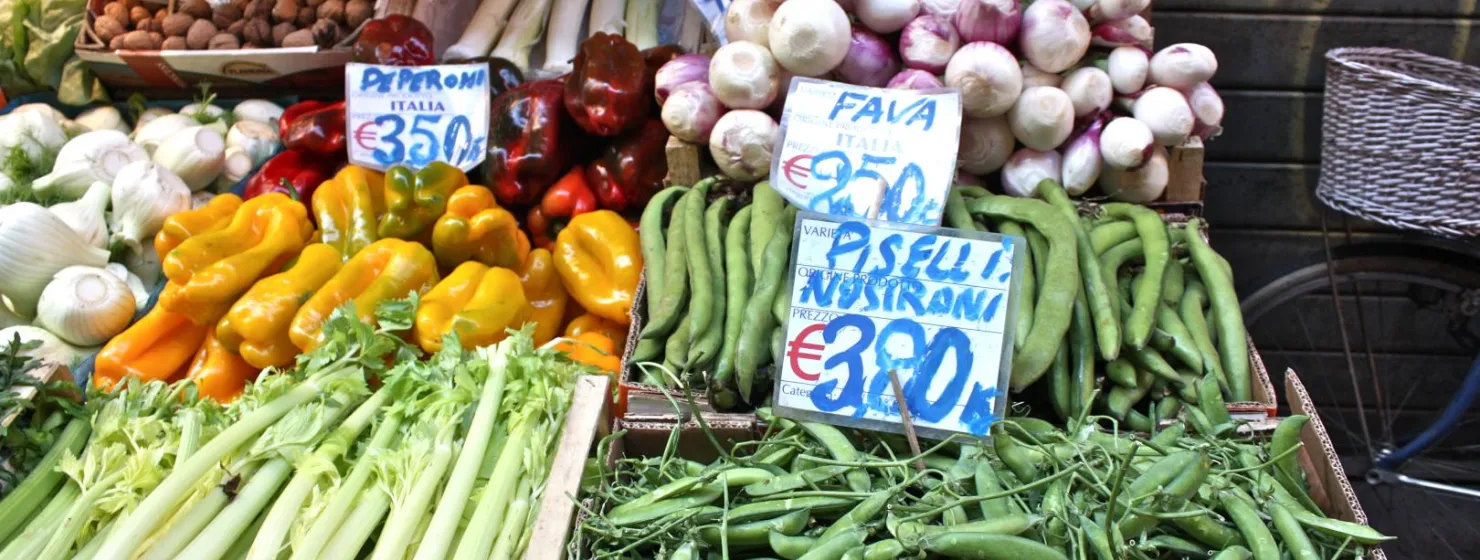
point(934, 305)
point(398, 115)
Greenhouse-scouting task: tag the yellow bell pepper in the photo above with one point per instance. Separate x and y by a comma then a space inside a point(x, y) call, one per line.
point(546, 296)
point(593, 349)
point(387, 269)
point(219, 373)
point(414, 201)
point(156, 348)
point(477, 302)
point(184, 225)
point(599, 258)
point(593, 323)
point(347, 208)
point(256, 327)
point(208, 272)
point(475, 228)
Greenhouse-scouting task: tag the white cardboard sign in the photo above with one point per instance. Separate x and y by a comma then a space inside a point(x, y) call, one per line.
point(935, 305)
point(412, 116)
point(855, 151)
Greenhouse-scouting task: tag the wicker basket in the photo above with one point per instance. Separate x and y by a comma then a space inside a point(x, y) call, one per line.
point(1401, 140)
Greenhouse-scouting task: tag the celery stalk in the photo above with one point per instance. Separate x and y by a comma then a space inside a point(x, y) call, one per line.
point(357, 527)
point(91, 548)
point(31, 541)
point(66, 533)
point(401, 527)
point(239, 548)
point(186, 527)
point(492, 505)
point(30, 495)
point(223, 530)
point(508, 539)
point(329, 521)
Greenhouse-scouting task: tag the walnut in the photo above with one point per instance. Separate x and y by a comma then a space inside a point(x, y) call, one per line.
point(199, 36)
point(173, 44)
point(108, 27)
point(196, 8)
point(151, 25)
point(326, 33)
point(236, 27)
point(224, 15)
point(161, 13)
point(299, 38)
point(306, 17)
point(357, 12)
point(257, 8)
point(137, 40)
point(332, 9)
point(257, 31)
point(280, 31)
point(116, 44)
point(285, 10)
point(117, 11)
point(137, 14)
point(224, 42)
point(156, 39)
point(176, 25)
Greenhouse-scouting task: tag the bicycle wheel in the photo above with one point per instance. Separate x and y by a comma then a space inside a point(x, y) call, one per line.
point(1381, 367)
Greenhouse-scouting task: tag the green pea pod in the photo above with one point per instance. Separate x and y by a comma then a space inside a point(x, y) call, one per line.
point(1175, 340)
point(1099, 540)
point(1210, 399)
point(1110, 263)
point(1287, 437)
point(888, 549)
point(1121, 372)
point(972, 191)
point(701, 274)
point(753, 350)
point(1169, 436)
point(1168, 408)
point(1012, 454)
point(702, 496)
point(833, 548)
point(663, 319)
point(1148, 359)
point(855, 553)
point(1191, 311)
point(707, 343)
point(1256, 534)
point(987, 546)
point(956, 215)
point(1095, 291)
point(1161, 473)
point(1061, 384)
point(771, 508)
point(1340, 529)
point(1119, 400)
point(1177, 546)
point(788, 547)
point(987, 483)
point(1055, 303)
point(687, 551)
point(737, 289)
point(1156, 250)
point(782, 305)
point(1233, 344)
point(1205, 529)
point(653, 243)
point(1233, 553)
point(1138, 422)
point(1082, 358)
point(1184, 486)
point(1109, 234)
point(755, 533)
point(1292, 534)
point(841, 449)
point(769, 206)
point(793, 481)
point(676, 352)
point(1026, 283)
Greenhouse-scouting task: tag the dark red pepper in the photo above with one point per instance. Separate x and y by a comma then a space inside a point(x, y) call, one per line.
point(320, 131)
point(294, 111)
point(395, 41)
point(631, 169)
point(609, 90)
point(529, 142)
point(567, 198)
point(296, 173)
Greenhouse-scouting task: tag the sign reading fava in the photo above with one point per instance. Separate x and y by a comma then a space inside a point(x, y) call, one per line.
point(414, 115)
point(862, 152)
point(933, 305)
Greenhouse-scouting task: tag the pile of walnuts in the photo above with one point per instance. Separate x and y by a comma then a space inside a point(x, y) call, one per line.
point(241, 24)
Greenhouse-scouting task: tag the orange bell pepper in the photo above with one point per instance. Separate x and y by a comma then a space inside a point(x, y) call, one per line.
point(545, 293)
point(475, 228)
point(184, 225)
point(348, 207)
point(599, 257)
point(208, 272)
point(256, 327)
point(157, 348)
point(219, 373)
point(594, 323)
point(387, 269)
point(479, 303)
point(593, 349)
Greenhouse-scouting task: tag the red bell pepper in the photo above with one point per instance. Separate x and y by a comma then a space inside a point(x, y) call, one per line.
point(528, 142)
point(608, 91)
point(296, 110)
point(567, 198)
point(395, 41)
point(296, 173)
point(631, 168)
point(320, 131)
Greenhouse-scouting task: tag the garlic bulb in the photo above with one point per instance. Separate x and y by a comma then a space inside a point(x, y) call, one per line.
point(135, 285)
point(34, 245)
point(144, 194)
point(85, 306)
point(52, 349)
point(87, 215)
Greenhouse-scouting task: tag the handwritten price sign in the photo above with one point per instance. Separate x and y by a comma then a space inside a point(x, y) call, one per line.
point(413, 116)
point(934, 305)
point(855, 152)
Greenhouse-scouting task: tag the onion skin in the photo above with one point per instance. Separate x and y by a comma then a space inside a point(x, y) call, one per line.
point(985, 145)
point(886, 16)
point(1165, 110)
point(1033, 77)
point(1090, 90)
point(741, 144)
point(1082, 160)
point(914, 79)
point(870, 61)
point(1028, 167)
point(1126, 143)
point(997, 21)
point(1127, 67)
point(988, 76)
point(691, 112)
point(1133, 31)
point(1207, 109)
point(1182, 66)
point(809, 37)
point(1042, 118)
point(681, 70)
point(1140, 185)
point(1117, 9)
point(743, 75)
point(927, 43)
point(1054, 36)
point(750, 20)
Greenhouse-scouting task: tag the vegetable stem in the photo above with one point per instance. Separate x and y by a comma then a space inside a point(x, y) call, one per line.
point(223, 530)
point(492, 505)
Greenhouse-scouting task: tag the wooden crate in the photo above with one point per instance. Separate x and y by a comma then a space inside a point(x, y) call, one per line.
point(44, 374)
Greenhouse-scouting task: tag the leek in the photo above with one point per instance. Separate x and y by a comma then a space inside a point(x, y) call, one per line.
point(563, 35)
point(606, 16)
point(642, 23)
point(524, 30)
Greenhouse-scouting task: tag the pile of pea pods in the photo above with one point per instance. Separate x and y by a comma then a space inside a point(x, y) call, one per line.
point(1034, 491)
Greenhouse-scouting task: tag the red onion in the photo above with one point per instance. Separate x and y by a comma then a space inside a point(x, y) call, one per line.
point(1133, 31)
point(997, 21)
point(1054, 36)
point(914, 79)
point(942, 8)
point(927, 43)
point(691, 111)
point(870, 61)
point(1127, 67)
point(743, 75)
point(1183, 66)
point(681, 70)
point(1033, 77)
point(886, 16)
point(1089, 88)
point(988, 76)
point(741, 144)
point(809, 37)
point(1165, 110)
point(1117, 9)
point(1140, 185)
point(1042, 118)
point(1082, 159)
point(1207, 108)
point(1126, 143)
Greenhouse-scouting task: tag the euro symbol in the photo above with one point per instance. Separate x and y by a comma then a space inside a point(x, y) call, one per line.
point(795, 352)
point(365, 137)
point(797, 170)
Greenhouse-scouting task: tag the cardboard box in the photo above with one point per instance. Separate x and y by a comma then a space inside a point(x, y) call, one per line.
point(307, 71)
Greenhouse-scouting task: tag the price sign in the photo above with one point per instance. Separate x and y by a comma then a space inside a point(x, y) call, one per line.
point(933, 305)
point(856, 152)
point(400, 115)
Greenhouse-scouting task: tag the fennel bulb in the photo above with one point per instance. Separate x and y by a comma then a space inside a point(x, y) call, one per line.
point(88, 215)
point(89, 158)
point(144, 194)
point(85, 306)
point(196, 154)
point(34, 245)
point(103, 118)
